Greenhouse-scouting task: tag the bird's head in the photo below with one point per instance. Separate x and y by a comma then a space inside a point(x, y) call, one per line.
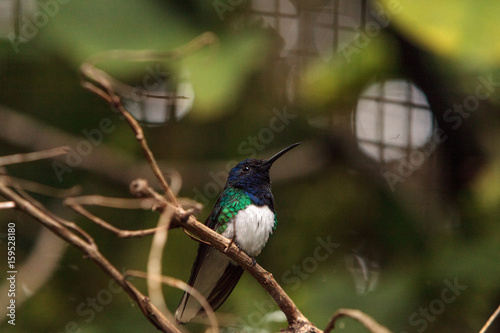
point(252, 172)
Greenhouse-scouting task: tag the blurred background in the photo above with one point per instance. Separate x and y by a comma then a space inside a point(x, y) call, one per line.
point(391, 204)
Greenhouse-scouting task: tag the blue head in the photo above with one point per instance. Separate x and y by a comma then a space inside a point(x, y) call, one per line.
point(252, 174)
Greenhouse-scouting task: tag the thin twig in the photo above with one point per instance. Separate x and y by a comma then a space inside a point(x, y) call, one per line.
point(117, 231)
point(176, 283)
point(43, 209)
point(121, 203)
point(35, 187)
point(35, 156)
point(205, 39)
point(139, 135)
point(368, 322)
point(119, 88)
point(116, 102)
point(140, 188)
point(490, 320)
point(112, 89)
point(154, 266)
point(196, 239)
point(175, 180)
point(7, 204)
point(104, 160)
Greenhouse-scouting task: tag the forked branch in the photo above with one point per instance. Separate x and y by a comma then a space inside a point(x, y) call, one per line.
point(91, 251)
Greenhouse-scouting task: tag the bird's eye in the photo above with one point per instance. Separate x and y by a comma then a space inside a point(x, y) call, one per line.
point(246, 168)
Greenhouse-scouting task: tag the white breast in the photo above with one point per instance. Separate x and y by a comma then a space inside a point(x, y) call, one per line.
point(253, 226)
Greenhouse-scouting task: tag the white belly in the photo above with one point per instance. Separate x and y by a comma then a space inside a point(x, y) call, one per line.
point(253, 225)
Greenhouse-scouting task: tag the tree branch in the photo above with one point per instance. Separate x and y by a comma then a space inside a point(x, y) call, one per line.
point(35, 156)
point(490, 320)
point(7, 205)
point(92, 252)
point(118, 232)
point(154, 266)
point(179, 284)
point(111, 89)
point(368, 322)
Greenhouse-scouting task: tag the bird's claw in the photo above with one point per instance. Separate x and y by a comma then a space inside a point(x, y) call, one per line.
point(238, 246)
point(254, 262)
point(231, 243)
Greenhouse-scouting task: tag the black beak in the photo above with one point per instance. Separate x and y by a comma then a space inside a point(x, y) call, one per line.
point(270, 161)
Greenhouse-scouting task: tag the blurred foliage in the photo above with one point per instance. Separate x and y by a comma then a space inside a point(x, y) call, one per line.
point(326, 82)
point(217, 75)
point(429, 230)
point(463, 31)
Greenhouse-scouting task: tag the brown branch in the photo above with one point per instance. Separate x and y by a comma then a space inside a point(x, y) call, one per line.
point(111, 89)
point(179, 284)
point(7, 204)
point(139, 135)
point(154, 266)
point(158, 203)
point(7, 181)
point(104, 160)
point(368, 322)
point(116, 103)
point(122, 203)
point(92, 252)
point(118, 87)
point(35, 187)
point(35, 156)
point(490, 320)
point(117, 231)
point(196, 239)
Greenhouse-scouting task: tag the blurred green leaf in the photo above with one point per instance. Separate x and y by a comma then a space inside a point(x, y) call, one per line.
point(218, 74)
point(82, 28)
point(462, 30)
point(325, 82)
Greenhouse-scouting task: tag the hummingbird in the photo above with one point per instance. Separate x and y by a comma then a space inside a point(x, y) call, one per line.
point(244, 212)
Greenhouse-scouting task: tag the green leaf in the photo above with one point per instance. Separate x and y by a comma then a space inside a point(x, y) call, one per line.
point(463, 30)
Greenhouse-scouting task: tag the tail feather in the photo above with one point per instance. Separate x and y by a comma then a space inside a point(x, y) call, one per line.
point(214, 276)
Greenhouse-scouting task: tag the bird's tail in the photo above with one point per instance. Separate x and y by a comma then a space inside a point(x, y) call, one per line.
point(214, 277)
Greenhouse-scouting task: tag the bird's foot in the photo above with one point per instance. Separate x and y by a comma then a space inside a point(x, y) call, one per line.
point(231, 243)
point(254, 262)
point(238, 246)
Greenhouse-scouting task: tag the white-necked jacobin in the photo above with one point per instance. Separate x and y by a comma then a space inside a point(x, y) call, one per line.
point(244, 213)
